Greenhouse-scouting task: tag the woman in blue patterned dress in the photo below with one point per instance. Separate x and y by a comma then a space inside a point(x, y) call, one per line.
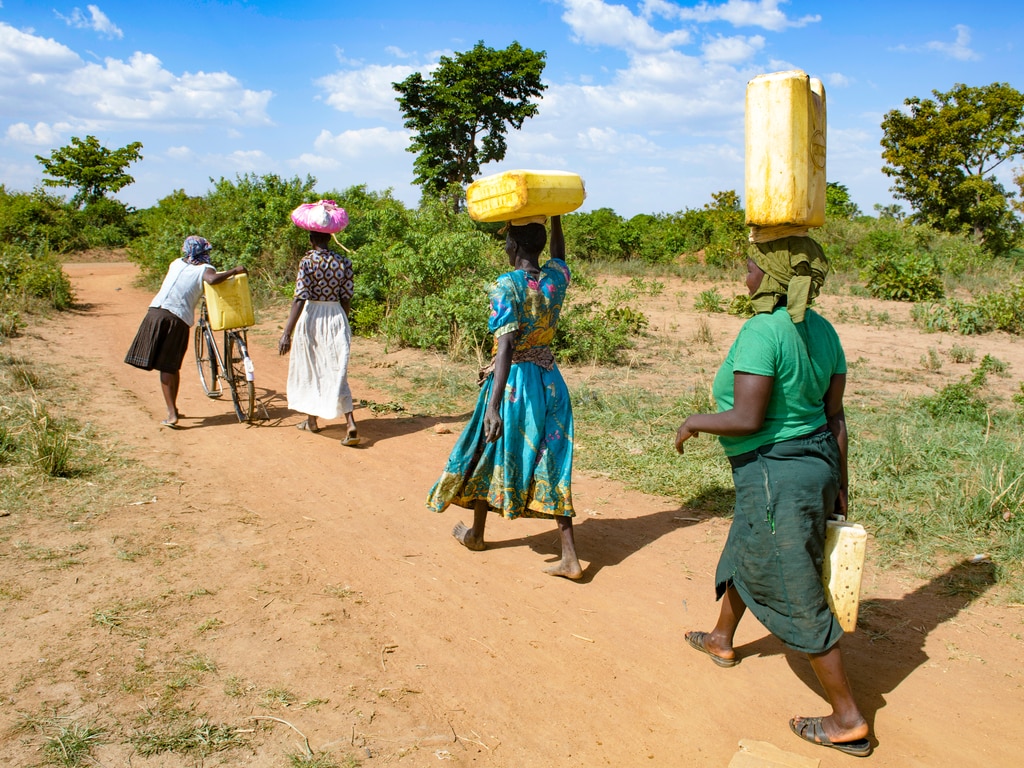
point(318, 367)
point(515, 455)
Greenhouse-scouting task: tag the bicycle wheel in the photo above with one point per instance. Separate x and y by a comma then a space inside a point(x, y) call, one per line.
point(243, 390)
point(206, 360)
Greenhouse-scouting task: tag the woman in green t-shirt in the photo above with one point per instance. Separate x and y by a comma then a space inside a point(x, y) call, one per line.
point(782, 425)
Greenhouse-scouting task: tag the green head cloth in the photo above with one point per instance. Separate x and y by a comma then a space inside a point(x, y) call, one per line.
point(794, 267)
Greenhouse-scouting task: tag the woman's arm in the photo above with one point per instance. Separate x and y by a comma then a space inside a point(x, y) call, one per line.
point(751, 396)
point(213, 277)
point(836, 415)
point(285, 343)
point(557, 246)
point(493, 425)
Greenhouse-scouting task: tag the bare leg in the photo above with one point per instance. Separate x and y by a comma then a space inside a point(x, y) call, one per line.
point(351, 435)
point(718, 642)
point(169, 386)
point(473, 538)
point(569, 566)
point(846, 723)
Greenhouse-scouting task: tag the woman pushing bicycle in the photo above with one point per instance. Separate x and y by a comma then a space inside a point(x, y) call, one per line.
point(162, 338)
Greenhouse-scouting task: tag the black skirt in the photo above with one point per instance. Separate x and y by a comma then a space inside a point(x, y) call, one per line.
point(160, 343)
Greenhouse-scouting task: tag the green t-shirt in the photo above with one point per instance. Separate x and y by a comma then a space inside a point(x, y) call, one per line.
point(800, 358)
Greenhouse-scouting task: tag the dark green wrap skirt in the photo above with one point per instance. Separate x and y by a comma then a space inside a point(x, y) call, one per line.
point(785, 493)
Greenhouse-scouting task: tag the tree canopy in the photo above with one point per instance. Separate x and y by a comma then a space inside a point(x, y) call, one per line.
point(838, 203)
point(461, 113)
point(941, 154)
point(89, 167)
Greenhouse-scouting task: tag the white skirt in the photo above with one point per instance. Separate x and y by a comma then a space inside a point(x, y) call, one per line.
point(318, 365)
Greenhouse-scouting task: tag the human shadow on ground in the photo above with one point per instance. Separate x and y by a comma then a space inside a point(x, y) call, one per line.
point(272, 411)
point(888, 644)
point(604, 541)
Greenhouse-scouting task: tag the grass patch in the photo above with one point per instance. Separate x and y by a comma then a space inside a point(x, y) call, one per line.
point(183, 732)
point(64, 741)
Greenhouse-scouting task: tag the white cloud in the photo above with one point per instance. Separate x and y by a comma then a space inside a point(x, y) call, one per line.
point(732, 50)
point(837, 80)
point(40, 78)
point(142, 90)
point(359, 143)
point(247, 161)
point(594, 22)
point(960, 49)
point(739, 13)
point(96, 20)
point(181, 154)
point(22, 53)
point(367, 92)
point(40, 134)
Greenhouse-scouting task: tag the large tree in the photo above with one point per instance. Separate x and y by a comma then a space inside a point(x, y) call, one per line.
point(89, 167)
point(460, 114)
point(941, 154)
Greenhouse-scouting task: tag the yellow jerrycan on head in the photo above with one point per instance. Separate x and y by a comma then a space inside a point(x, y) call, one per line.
point(519, 194)
point(785, 150)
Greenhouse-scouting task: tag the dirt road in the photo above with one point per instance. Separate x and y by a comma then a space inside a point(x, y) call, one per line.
point(316, 569)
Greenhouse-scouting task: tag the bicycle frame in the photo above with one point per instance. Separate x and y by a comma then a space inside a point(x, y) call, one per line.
point(234, 367)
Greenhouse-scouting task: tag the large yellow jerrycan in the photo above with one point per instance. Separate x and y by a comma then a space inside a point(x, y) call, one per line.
point(229, 303)
point(843, 569)
point(521, 194)
point(785, 150)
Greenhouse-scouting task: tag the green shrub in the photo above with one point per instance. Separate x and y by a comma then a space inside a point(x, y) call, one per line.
point(906, 277)
point(633, 320)
point(959, 354)
point(741, 306)
point(33, 276)
point(586, 334)
point(709, 301)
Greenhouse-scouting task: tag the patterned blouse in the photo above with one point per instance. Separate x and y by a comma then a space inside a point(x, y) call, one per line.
point(324, 276)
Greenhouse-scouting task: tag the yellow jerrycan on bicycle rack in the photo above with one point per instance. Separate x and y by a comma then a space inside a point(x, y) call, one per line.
point(229, 303)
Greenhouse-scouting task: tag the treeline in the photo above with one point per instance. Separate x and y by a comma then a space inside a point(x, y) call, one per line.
point(422, 271)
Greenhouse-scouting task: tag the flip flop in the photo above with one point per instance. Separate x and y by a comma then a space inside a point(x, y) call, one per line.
point(351, 439)
point(696, 641)
point(811, 730)
point(170, 424)
point(303, 426)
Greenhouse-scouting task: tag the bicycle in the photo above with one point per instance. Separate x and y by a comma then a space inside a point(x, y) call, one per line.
point(234, 368)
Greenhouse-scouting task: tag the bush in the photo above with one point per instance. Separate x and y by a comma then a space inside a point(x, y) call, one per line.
point(905, 277)
point(586, 334)
point(24, 275)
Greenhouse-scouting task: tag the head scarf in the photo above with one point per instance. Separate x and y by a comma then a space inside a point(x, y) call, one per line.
point(794, 267)
point(196, 250)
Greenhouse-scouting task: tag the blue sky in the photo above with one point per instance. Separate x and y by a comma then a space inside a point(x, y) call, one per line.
point(644, 100)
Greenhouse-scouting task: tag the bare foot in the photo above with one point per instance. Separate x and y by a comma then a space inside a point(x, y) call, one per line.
point(567, 569)
point(465, 537)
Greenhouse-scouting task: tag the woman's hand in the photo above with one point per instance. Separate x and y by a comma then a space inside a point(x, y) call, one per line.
point(284, 345)
point(842, 505)
point(683, 434)
point(493, 425)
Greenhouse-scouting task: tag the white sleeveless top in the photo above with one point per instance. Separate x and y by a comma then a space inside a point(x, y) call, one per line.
point(181, 290)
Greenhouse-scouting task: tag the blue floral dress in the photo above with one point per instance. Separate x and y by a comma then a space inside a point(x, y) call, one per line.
point(527, 471)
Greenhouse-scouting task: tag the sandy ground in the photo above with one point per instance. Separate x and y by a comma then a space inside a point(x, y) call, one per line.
point(296, 564)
